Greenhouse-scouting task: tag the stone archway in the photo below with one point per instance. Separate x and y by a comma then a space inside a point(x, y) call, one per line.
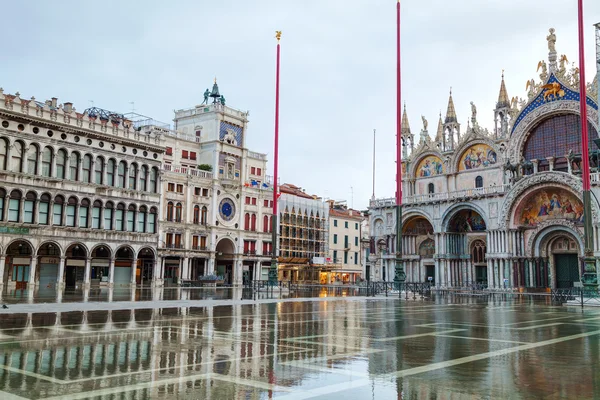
point(145, 269)
point(18, 264)
point(418, 244)
point(76, 257)
point(225, 260)
point(557, 252)
point(48, 262)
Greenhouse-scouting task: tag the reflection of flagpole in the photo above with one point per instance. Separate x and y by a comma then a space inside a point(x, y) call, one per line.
point(273, 269)
point(590, 278)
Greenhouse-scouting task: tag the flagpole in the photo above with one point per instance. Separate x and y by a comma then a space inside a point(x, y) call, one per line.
point(590, 278)
point(399, 275)
point(273, 278)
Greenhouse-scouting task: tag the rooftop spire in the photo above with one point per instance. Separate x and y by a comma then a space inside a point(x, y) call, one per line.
point(405, 124)
point(451, 113)
point(503, 101)
point(440, 129)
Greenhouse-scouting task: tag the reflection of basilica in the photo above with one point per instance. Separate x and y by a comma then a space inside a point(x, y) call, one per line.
point(502, 207)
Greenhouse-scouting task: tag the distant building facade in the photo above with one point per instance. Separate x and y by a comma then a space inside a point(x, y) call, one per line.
point(345, 234)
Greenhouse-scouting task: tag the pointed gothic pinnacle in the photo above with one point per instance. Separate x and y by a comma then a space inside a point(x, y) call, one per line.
point(440, 129)
point(451, 113)
point(405, 125)
point(503, 100)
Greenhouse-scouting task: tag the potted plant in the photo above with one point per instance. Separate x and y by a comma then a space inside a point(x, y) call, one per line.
point(205, 167)
point(211, 280)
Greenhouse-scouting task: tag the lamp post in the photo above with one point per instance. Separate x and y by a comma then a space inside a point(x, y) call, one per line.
point(590, 277)
point(399, 275)
point(273, 268)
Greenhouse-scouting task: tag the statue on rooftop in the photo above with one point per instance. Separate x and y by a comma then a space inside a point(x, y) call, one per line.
point(551, 38)
point(222, 100)
point(206, 95)
point(425, 123)
point(473, 111)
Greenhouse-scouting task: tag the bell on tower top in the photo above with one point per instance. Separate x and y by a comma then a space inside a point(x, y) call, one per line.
point(215, 92)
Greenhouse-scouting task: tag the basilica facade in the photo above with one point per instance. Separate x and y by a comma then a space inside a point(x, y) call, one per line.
point(502, 207)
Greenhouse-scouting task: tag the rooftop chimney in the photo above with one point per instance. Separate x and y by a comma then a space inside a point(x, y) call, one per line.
point(54, 102)
point(68, 107)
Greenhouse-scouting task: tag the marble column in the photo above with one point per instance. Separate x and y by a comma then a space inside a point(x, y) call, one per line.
point(2, 265)
point(111, 272)
point(88, 272)
point(61, 273)
point(133, 271)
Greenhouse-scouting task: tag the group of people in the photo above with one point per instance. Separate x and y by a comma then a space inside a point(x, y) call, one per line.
point(479, 159)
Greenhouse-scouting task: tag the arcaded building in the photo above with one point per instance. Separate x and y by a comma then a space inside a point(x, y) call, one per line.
point(500, 207)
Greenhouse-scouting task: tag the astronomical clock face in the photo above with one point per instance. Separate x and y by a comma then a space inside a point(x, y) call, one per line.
point(227, 209)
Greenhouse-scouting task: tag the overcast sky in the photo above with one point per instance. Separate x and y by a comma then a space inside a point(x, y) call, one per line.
point(337, 68)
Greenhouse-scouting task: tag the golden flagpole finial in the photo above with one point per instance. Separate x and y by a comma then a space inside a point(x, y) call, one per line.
point(278, 35)
point(215, 79)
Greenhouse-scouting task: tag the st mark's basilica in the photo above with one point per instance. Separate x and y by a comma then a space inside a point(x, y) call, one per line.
point(502, 208)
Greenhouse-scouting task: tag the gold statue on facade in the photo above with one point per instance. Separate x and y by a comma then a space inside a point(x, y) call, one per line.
point(278, 35)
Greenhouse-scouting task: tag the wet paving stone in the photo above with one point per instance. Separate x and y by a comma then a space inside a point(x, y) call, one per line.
point(348, 349)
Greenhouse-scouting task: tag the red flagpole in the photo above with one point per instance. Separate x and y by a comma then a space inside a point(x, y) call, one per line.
point(273, 270)
point(398, 115)
point(582, 105)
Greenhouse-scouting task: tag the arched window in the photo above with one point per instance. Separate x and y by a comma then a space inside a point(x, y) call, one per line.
point(121, 174)
point(204, 215)
point(3, 153)
point(133, 176)
point(555, 137)
point(2, 205)
point(57, 210)
point(478, 251)
point(29, 208)
point(196, 214)
point(170, 211)
point(16, 155)
point(266, 223)
point(152, 221)
point(99, 170)
point(108, 215)
point(430, 188)
point(84, 209)
point(142, 219)
point(44, 209)
point(120, 217)
point(131, 218)
point(153, 179)
point(74, 166)
point(143, 178)
point(96, 214)
point(32, 159)
point(71, 208)
point(253, 218)
point(479, 182)
point(61, 163)
point(14, 206)
point(87, 168)
point(110, 172)
point(178, 209)
point(247, 222)
point(47, 161)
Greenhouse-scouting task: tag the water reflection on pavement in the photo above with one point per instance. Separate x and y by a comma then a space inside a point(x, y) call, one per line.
point(351, 349)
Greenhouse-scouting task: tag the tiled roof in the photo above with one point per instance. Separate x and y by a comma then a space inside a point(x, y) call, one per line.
point(294, 190)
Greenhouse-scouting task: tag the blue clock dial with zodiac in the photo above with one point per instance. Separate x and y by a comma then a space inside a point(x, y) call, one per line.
point(227, 209)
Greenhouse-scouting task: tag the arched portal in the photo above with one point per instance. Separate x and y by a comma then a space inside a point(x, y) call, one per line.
point(101, 258)
point(557, 262)
point(75, 264)
point(145, 269)
point(417, 241)
point(123, 266)
point(225, 254)
point(18, 264)
point(466, 230)
point(48, 262)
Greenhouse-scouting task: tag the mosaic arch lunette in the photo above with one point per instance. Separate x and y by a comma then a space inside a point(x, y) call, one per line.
point(429, 166)
point(546, 204)
point(466, 220)
point(477, 156)
point(417, 226)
